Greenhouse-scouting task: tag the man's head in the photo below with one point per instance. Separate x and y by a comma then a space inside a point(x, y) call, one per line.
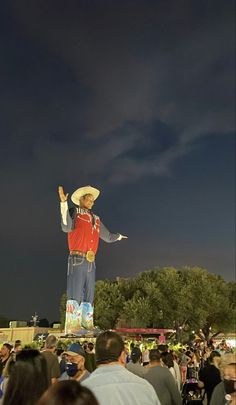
point(51, 342)
point(86, 201)
point(5, 350)
point(85, 196)
point(110, 348)
point(17, 348)
point(227, 360)
point(76, 355)
point(228, 373)
point(155, 356)
point(167, 359)
point(163, 348)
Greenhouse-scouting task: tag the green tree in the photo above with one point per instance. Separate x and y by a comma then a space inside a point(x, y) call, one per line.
point(108, 304)
point(174, 300)
point(138, 311)
point(211, 307)
point(184, 299)
point(142, 301)
point(157, 299)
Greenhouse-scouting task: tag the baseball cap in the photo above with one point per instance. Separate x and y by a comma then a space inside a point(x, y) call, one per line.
point(75, 349)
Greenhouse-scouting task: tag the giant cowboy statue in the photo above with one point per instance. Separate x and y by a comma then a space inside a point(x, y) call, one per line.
point(84, 229)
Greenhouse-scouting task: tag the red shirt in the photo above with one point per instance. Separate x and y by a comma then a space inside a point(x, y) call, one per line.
point(85, 236)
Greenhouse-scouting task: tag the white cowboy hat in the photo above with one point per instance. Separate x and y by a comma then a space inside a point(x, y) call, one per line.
point(80, 192)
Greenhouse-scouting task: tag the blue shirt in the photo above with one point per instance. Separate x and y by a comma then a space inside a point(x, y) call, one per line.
point(114, 385)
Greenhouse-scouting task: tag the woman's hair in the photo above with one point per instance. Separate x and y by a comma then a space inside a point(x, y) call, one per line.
point(68, 392)
point(227, 360)
point(28, 379)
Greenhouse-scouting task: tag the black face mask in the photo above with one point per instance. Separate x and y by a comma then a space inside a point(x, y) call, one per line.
point(229, 386)
point(72, 369)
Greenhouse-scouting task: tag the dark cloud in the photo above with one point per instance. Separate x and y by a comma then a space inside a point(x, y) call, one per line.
point(124, 95)
point(85, 71)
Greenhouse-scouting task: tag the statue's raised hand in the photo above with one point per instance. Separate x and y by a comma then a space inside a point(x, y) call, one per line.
point(62, 195)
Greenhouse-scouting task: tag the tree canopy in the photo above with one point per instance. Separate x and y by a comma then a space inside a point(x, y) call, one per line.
point(184, 299)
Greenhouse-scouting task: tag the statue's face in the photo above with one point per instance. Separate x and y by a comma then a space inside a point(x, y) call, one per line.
point(87, 201)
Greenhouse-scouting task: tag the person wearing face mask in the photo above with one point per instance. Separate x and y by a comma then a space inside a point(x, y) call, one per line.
point(75, 359)
point(225, 392)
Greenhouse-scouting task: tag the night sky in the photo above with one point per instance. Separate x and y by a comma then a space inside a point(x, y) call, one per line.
point(135, 98)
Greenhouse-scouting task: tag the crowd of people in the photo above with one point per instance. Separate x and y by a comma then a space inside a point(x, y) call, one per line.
point(113, 373)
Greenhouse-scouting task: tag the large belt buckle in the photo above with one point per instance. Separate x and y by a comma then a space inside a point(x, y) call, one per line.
point(90, 256)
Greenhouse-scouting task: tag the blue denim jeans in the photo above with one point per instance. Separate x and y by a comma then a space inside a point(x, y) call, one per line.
point(80, 279)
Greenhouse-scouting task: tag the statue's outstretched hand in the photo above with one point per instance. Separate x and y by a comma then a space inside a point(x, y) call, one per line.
point(62, 195)
point(122, 237)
